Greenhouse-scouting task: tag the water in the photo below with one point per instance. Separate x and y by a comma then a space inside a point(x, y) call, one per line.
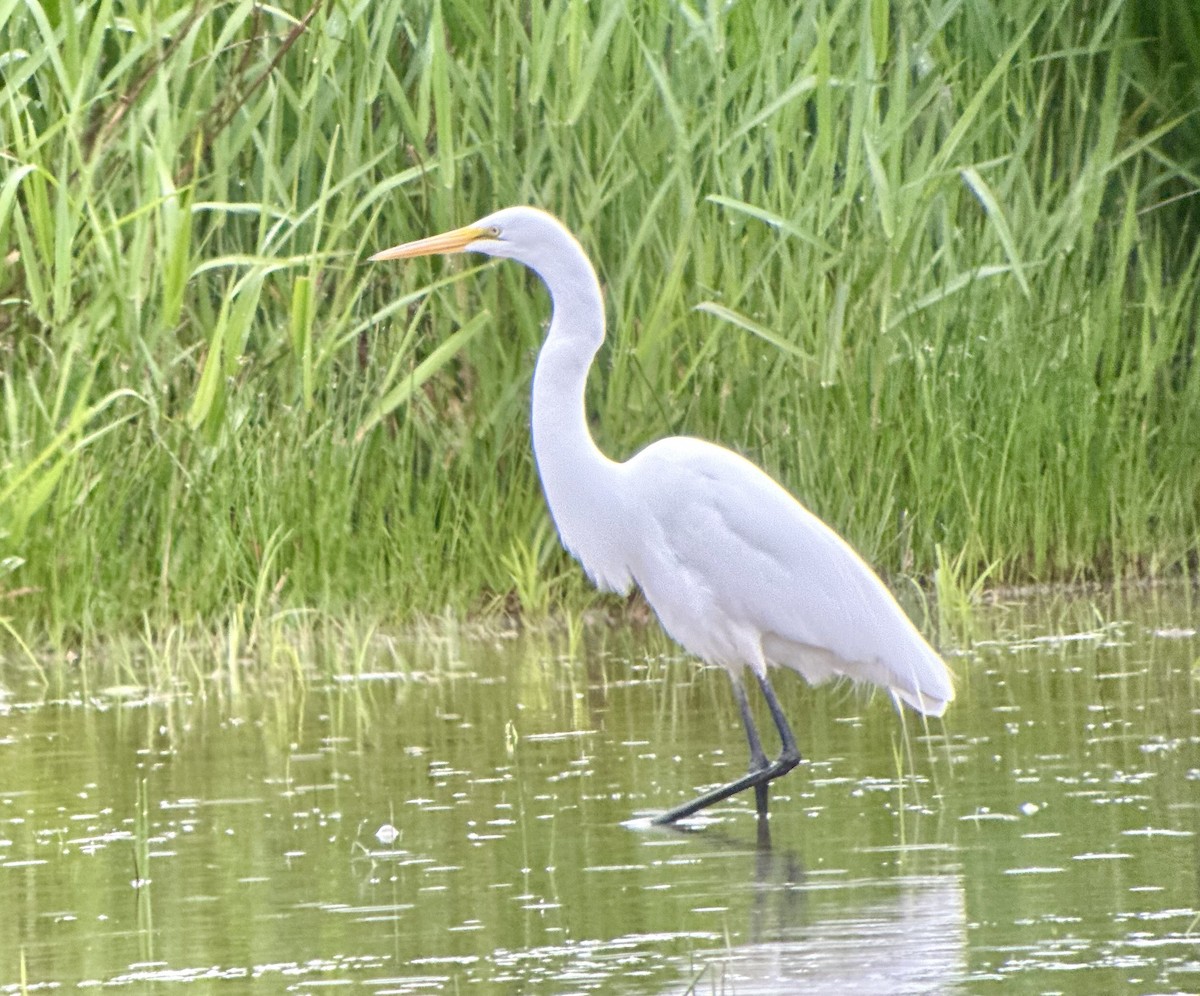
point(453, 817)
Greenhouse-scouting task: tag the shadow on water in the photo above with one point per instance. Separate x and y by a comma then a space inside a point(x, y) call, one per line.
point(442, 815)
point(895, 935)
point(908, 937)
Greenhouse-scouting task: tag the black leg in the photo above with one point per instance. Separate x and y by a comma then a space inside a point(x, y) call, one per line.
point(758, 757)
point(762, 772)
point(790, 752)
point(789, 755)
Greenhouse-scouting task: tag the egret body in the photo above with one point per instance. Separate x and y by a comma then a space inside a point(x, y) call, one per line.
point(737, 571)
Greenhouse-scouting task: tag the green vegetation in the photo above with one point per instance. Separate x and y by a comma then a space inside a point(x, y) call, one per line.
point(934, 265)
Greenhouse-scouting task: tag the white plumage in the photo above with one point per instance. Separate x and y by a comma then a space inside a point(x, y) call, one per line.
point(738, 571)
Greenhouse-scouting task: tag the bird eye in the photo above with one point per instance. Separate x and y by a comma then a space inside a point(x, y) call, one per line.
point(493, 231)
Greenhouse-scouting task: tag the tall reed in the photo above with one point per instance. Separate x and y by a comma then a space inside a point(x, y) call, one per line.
point(924, 262)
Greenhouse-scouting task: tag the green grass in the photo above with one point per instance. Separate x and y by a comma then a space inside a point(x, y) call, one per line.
point(933, 265)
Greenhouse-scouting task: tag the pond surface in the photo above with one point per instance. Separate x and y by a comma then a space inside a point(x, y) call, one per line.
point(452, 816)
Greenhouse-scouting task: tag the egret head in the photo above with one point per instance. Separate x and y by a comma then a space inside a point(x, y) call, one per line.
point(525, 234)
point(539, 241)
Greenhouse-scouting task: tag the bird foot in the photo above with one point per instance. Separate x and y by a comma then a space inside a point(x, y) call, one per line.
point(758, 778)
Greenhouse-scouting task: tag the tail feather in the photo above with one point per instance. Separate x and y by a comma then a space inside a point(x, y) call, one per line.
point(927, 705)
point(924, 685)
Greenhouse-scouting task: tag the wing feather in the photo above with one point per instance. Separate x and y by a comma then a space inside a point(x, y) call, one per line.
point(734, 557)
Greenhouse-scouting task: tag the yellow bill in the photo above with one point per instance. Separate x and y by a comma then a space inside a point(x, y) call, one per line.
point(455, 241)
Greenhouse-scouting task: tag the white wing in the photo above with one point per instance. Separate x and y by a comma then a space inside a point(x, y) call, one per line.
point(740, 572)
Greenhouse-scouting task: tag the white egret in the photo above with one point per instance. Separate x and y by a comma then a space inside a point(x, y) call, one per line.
point(738, 571)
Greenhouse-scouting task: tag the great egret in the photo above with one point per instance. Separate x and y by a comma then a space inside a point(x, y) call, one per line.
point(738, 571)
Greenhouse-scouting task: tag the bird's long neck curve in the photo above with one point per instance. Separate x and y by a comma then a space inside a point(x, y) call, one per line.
point(580, 482)
point(560, 429)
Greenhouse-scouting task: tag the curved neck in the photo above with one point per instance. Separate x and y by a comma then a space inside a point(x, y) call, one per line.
point(581, 484)
point(562, 442)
